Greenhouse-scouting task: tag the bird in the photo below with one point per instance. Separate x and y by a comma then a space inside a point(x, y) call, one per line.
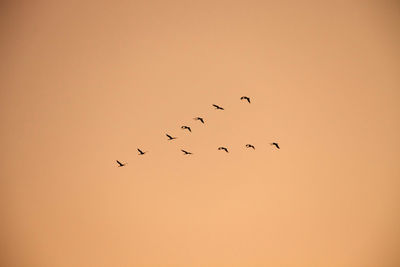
point(170, 137)
point(199, 119)
point(186, 152)
point(275, 144)
point(250, 146)
point(245, 98)
point(218, 107)
point(223, 148)
point(141, 152)
point(187, 128)
point(121, 164)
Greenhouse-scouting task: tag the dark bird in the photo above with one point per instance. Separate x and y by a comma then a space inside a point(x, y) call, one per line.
point(170, 137)
point(186, 152)
point(275, 144)
point(245, 98)
point(141, 152)
point(218, 107)
point(250, 146)
point(223, 148)
point(120, 164)
point(199, 119)
point(187, 128)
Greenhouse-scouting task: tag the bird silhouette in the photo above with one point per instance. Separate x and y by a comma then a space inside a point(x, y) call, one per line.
point(170, 137)
point(250, 146)
point(199, 119)
point(120, 164)
point(141, 152)
point(186, 152)
point(187, 128)
point(275, 144)
point(223, 148)
point(218, 107)
point(245, 98)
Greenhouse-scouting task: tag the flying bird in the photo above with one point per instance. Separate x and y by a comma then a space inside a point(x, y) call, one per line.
point(250, 146)
point(223, 148)
point(120, 164)
point(275, 144)
point(199, 119)
point(170, 137)
point(187, 128)
point(186, 152)
point(141, 152)
point(245, 98)
point(218, 107)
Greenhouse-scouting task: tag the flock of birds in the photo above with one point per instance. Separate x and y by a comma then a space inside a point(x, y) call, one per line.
point(170, 138)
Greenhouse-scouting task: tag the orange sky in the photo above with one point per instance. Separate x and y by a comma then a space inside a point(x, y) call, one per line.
point(85, 83)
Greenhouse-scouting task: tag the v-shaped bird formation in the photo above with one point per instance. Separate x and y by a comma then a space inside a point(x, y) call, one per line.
point(188, 129)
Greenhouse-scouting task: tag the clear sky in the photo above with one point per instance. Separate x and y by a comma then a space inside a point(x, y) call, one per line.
point(84, 83)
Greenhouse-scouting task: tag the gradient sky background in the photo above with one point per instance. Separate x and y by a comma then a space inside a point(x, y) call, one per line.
point(85, 83)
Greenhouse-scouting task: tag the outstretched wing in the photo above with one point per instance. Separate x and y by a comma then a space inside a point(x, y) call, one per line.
point(218, 107)
point(190, 130)
point(170, 137)
point(245, 98)
point(140, 151)
point(202, 121)
point(275, 144)
point(119, 163)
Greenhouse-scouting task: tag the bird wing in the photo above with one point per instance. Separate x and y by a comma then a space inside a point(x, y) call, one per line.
point(140, 151)
point(120, 164)
point(170, 137)
point(189, 129)
point(248, 100)
point(275, 144)
point(218, 107)
point(202, 121)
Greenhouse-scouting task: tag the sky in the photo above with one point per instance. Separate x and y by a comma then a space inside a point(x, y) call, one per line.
point(86, 83)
